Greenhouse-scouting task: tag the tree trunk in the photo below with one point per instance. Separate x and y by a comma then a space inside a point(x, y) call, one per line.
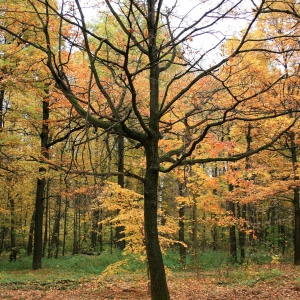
point(55, 232)
point(12, 222)
point(4, 231)
point(40, 189)
point(100, 235)
point(242, 233)
point(296, 198)
point(46, 225)
point(232, 230)
point(1, 108)
point(272, 227)
point(297, 227)
point(75, 249)
point(120, 242)
point(195, 236)
point(65, 226)
point(181, 223)
point(38, 221)
point(95, 228)
point(158, 282)
point(30, 235)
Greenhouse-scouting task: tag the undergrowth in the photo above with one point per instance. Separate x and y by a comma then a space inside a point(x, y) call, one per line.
point(82, 268)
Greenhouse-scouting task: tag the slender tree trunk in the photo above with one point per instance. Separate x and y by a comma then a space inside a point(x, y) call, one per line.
point(214, 231)
point(79, 228)
point(40, 189)
point(3, 228)
point(2, 238)
point(181, 223)
point(120, 235)
point(75, 228)
point(46, 224)
point(1, 108)
point(242, 233)
point(12, 221)
point(95, 228)
point(65, 226)
point(30, 235)
point(232, 229)
point(272, 227)
point(195, 237)
point(55, 232)
point(252, 221)
point(100, 235)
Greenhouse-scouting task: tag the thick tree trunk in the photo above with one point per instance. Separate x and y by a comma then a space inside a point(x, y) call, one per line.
point(296, 200)
point(40, 190)
point(297, 227)
point(159, 288)
point(158, 281)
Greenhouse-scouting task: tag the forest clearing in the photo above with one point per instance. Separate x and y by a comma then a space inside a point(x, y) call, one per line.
point(153, 133)
point(80, 277)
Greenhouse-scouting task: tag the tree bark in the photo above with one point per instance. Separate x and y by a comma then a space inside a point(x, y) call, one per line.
point(242, 233)
point(232, 232)
point(297, 227)
point(181, 223)
point(1, 108)
point(159, 288)
point(65, 226)
point(195, 237)
point(120, 242)
point(296, 200)
point(12, 221)
point(56, 227)
point(40, 190)
point(38, 222)
point(30, 235)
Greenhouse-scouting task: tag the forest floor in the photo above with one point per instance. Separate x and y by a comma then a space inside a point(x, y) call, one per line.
point(281, 281)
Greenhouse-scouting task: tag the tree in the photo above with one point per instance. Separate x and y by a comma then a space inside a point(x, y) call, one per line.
point(181, 87)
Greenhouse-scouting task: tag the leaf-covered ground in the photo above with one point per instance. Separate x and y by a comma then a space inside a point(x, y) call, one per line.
point(259, 282)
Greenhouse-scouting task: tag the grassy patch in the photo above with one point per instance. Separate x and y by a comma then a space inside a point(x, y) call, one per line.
point(71, 271)
point(64, 269)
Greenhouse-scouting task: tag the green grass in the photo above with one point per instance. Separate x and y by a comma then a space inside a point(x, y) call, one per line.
point(75, 269)
point(69, 268)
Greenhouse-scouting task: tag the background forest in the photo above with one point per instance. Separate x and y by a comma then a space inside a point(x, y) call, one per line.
point(80, 115)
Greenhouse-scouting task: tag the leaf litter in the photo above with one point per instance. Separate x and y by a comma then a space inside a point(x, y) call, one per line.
point(183, 286)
